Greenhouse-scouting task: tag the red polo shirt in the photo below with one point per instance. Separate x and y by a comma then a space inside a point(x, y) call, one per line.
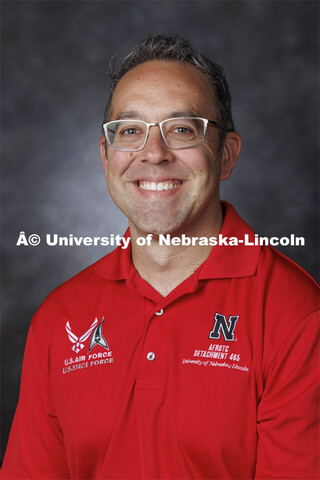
point(217, 380)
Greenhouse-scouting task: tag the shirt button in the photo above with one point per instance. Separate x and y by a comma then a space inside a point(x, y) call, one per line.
point(151, 356)
point(160, 312)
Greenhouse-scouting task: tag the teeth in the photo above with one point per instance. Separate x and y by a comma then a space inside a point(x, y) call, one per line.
point(157, 186)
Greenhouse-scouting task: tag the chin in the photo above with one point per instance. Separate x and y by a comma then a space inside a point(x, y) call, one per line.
point(157, 228)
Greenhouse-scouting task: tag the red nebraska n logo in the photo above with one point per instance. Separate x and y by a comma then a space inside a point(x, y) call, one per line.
point(221, 325)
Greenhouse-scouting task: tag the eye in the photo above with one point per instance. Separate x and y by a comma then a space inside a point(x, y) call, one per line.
point(129, 131)
point(182, 130)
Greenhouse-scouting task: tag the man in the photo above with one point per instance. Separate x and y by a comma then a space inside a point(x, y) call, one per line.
point(179, 357)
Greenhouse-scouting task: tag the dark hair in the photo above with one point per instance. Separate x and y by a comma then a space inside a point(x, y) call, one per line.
point(177, 49)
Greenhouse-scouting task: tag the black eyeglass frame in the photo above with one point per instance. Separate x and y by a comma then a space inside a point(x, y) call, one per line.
point(160, 124)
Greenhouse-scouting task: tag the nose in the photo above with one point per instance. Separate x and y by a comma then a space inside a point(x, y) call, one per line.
point(156, 150)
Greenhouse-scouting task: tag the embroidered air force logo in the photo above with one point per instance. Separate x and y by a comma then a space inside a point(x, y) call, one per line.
point(97, 337)
point(221, 325)
point(77, 341)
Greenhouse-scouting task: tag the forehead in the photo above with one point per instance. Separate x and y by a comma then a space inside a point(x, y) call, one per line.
point(156, 88)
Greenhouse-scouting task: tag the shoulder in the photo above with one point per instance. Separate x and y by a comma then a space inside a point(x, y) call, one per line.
point(85, 281)
point(74, 298)
point(282, 275)
point(288, 301)
point(288, 296)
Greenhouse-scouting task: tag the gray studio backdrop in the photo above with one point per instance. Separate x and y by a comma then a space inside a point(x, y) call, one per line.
point(55, 57)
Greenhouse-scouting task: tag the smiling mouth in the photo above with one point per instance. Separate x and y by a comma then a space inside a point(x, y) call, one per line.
point(159, 186)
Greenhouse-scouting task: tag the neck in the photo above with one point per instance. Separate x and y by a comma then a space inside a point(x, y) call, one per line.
point(164, 267)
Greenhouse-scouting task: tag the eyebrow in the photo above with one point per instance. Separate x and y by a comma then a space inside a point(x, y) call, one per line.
point(132, 114)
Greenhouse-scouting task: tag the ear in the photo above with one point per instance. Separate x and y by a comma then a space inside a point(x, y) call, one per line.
point(103, 153)
point(230, 152)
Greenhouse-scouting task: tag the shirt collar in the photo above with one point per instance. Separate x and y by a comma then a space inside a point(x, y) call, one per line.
point(224, 261)
point(117, 264)
point(232, 261)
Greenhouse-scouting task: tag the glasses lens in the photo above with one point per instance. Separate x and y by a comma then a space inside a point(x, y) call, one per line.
point(126, 134)
point(184, 132)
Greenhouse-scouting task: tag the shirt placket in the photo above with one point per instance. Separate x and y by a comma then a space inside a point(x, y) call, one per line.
point(150, 393)
point(150, 388)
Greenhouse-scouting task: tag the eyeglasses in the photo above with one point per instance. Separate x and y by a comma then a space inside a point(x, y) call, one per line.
point(177, 133)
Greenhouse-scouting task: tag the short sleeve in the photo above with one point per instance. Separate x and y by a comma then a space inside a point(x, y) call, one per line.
point(287, 416)
point(35, 448)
